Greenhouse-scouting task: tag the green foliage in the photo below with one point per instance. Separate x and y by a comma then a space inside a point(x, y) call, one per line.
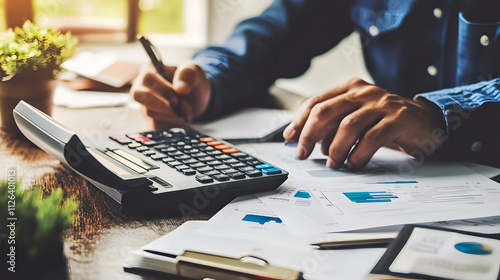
point(34, 50)
point(41, 222)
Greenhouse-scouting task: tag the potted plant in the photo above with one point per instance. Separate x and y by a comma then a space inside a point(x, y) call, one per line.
point(30, 58)
point(32, 231)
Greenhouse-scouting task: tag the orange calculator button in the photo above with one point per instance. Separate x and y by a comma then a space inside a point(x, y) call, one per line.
point(222, 147)
point(214, 143)
point(230, 151)
point(206, 139)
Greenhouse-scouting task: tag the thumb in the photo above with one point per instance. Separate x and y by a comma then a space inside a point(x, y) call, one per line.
point(185, 79)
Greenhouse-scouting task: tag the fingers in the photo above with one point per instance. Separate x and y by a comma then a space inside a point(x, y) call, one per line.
point(323, 119)
point(186, 78)
point(292, 131)
point(158, 85)
point(351, 128)
point(380, 135)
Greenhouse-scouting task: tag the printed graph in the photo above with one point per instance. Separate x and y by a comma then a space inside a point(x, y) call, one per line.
point(302, 194)
point(369, 197)
point(261, 219)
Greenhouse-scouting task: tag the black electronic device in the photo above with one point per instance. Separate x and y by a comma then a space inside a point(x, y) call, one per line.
point(178, 170)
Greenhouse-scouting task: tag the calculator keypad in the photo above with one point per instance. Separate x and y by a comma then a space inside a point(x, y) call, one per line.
point(193, 154)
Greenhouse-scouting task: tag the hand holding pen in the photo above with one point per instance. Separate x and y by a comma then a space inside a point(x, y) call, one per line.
point(171, 96)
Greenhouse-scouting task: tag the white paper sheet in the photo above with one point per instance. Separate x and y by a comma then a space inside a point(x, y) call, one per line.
point(394, 189)
point(251, 123)
point(73, 99)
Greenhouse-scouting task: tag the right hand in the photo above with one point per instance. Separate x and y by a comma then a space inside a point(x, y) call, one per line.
point(189, 90)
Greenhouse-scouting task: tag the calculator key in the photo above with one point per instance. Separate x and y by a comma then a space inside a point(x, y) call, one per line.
point(248, 158)
point(149, 152)
point(236, 175)
point(183, 166)
point(182, 157)
point(238, 165)
point(199, 155)
point(246, 169)
point(200, 145)
point(222, 167)
point(214, 153)
point(221, 177)
point(214, 143)
point(190, 161)
point(229, 171)
point(174, 163)
point(230, 161)
point(188, 171)
point(186, 147)
point(230, 151)
point(167, 150)
point(254, 162)
point(142, 149)
point(222, 147)
point(142, 139)
point(149, 143)
point(206, 139)
point(204, 179)
point(211, 173)
point(162, 146)
point(197, 165)
point(174, 154)
point(271, 171)
point(206, 169)
point(239, 155)
point(194, 141)
point(158, 156)
point(265, 165)
point(208, 149)
point(180, 144)
point(214, 162)
point(134, 145)
point(222, 156)
point(168, 159)
point(207, 158)
point(191, 151)
point(253, 173)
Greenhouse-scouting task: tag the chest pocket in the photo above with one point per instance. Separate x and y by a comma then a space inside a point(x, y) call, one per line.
point(379, 17)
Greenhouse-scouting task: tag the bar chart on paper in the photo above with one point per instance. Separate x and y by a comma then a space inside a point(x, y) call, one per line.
point(370, 197)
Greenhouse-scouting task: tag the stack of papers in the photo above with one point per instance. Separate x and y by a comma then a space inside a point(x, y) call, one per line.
point(317, 205)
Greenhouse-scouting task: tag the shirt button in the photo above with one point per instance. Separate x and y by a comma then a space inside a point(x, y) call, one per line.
point(485, 41)
point(432, 70)
point(438, 13)
point(476, 146)
point(373, 30)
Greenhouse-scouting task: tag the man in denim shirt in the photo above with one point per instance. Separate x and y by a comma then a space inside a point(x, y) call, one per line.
point(435, 65)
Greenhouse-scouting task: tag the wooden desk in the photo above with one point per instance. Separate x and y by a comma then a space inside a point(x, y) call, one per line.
point(103, 233)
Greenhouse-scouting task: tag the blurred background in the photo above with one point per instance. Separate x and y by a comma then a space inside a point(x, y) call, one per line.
point(178, 28)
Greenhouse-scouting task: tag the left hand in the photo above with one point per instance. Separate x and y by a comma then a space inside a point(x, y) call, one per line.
point(361, 115)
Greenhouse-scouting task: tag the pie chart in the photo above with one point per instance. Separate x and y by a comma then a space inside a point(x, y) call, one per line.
point(473, 248)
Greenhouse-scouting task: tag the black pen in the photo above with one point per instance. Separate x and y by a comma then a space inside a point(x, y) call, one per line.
point(158, 64)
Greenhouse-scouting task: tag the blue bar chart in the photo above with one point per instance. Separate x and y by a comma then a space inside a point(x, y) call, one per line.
point(369, 197)
point(261, 219)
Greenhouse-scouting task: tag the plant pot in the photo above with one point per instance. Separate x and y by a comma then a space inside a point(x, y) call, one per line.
point(36, 92)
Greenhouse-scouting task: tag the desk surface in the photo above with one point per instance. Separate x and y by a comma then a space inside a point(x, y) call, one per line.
point(103, 233)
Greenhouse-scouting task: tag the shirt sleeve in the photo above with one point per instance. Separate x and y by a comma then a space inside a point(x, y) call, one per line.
point(279, 43)
point(472, 117)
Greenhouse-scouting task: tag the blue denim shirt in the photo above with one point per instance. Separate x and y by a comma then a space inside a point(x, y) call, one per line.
point(445, 51)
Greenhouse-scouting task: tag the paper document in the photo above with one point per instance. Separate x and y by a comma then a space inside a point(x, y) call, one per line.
point(251, 123)
point(73, 99)
point(394, 189)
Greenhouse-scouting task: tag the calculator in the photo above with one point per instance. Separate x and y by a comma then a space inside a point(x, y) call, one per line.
point(178, 169)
